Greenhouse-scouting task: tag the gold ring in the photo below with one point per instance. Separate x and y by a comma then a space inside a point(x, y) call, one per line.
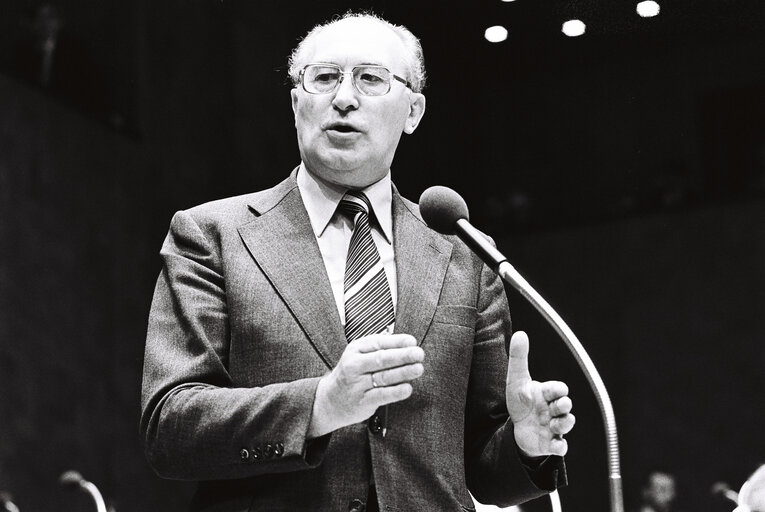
point(374, 384)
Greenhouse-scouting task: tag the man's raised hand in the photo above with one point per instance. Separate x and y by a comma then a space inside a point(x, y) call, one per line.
point(373, 371)
point(540, 411)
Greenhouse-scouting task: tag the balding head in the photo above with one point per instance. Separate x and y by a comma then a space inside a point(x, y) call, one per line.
point(751, 498)
point(411, 49)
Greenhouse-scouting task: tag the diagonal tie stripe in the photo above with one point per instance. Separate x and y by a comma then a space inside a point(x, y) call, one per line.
point(368, 301)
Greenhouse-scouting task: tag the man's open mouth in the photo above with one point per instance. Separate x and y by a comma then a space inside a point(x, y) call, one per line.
point(343, 128)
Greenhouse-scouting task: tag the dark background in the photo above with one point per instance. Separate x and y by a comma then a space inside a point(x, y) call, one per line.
point(623, 172)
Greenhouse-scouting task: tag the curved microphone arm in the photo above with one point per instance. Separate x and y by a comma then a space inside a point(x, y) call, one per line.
point(91, 489)
point(507, 272)
point(73, 480)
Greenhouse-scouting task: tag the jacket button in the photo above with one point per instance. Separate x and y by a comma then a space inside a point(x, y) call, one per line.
point(375, 424)
point(244, 455)
point(268, 451)
point(356, 506)
point(278, 449)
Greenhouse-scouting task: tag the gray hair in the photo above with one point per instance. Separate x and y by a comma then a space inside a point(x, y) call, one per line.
point(415, 61)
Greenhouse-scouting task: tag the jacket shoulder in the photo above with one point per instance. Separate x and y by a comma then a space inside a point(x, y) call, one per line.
point(236, 210)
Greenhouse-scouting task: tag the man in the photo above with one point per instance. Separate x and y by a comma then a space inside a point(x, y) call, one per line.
point(284, 376)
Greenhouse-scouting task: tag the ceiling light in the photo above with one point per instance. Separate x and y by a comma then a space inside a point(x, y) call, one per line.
point(573, 28)
point(648, 9)
point(495, 34)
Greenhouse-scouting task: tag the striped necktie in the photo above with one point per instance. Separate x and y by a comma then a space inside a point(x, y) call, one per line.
point(367, 297)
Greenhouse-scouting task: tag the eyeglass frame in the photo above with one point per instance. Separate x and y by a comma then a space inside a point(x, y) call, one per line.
point(353, 69)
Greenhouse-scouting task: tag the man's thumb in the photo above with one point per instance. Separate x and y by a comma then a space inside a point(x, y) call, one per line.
point(518, 364)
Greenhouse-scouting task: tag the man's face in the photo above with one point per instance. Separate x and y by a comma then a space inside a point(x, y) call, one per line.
point(661, 491)
point(346, 138)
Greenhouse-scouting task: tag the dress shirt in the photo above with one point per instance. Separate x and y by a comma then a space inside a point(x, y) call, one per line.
point(333, 230)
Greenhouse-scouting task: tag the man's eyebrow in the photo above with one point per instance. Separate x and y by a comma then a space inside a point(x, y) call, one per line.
point(324, 63)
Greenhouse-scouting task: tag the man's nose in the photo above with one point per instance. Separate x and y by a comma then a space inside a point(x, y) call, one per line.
point(346, 95)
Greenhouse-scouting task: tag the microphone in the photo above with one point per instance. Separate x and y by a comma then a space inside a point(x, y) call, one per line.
point(73, 480)
point(724, 490)
point(6, 501)
point(445, 211)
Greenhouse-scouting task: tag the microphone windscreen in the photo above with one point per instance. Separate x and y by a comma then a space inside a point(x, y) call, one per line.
point(70, 478)
point(442, 207)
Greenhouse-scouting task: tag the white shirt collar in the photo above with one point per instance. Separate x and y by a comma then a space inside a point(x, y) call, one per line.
point(321, 200)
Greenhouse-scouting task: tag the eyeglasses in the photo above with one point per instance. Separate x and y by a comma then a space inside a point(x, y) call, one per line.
point(368, 80)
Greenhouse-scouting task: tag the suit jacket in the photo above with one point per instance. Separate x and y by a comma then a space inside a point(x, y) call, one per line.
point(244, 324)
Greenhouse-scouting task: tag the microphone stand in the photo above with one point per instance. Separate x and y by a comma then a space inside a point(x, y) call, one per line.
point(90, 488)
point(555, 502)
point(73, 479)
point(508, 273)
point(446, 212)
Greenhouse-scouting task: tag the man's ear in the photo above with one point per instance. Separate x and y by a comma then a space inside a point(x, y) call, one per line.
point(294, 95)
point(416, 111)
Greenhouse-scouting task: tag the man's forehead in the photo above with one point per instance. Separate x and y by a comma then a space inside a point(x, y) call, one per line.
point(662, 479)
point(359, 39)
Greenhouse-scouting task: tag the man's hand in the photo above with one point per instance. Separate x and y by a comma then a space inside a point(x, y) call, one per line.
point(373, 371)
point(540, 411)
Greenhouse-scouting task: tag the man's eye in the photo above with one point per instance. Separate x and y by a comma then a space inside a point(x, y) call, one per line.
point(371, 78)
point(325, 77)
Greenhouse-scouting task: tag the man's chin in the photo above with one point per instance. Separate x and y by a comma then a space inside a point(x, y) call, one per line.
point(347, 174)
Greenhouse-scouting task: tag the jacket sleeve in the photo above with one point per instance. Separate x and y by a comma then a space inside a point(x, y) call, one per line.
point(195, 424)
point(495, 470)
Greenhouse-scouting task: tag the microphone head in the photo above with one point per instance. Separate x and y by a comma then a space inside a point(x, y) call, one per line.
point(71, 478)
point(719, 488)
point(442, 207)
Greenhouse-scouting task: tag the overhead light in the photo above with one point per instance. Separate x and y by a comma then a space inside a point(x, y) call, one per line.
point(574, 28)
point(648, 9)
point(508, 0)
point(495, 34)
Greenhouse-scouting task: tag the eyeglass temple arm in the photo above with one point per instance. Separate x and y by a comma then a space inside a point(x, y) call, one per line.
point(402, 80)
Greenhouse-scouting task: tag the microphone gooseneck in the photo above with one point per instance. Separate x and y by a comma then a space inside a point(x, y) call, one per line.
point(445, 211)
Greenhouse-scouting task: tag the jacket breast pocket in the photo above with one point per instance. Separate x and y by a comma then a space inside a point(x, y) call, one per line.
point(464, 316)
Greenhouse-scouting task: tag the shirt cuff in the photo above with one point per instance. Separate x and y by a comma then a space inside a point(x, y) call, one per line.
point(547, 472)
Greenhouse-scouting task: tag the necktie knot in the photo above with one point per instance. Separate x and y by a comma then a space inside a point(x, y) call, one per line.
point(353, 203)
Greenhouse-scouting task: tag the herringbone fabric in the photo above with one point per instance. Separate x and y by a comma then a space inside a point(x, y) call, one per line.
point(368, 301)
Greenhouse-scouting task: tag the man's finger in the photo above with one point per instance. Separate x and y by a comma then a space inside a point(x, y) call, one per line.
point(561, 406)
point(518, 364)
point(398, 375)
point(562, 425)
point(376, 342)
point(389, 358)
point(558, 446)
point(553, 390)
point(389, 394)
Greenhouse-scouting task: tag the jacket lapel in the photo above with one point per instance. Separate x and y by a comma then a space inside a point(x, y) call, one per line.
point(281, 241)
point(422, 257)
